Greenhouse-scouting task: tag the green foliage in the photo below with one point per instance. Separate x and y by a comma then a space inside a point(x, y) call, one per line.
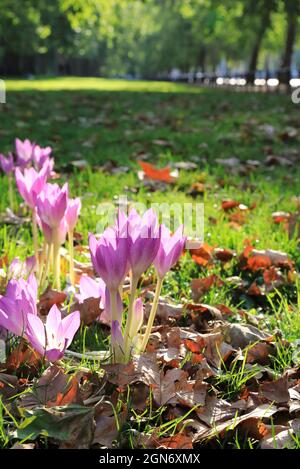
point(141, 37)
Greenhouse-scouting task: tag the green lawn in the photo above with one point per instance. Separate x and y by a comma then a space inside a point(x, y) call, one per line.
point(122, 121)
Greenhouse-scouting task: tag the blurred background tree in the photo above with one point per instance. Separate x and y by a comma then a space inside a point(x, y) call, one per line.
point(148, 38)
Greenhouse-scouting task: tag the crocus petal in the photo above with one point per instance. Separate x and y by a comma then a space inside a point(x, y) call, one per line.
point(71, 324)
point(54, 354)
point(72, 212)
point(169, 251)
point(7, 164)
point(53, 321)
point(35, 333)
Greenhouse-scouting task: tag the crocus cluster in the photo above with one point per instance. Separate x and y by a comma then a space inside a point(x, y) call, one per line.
point(51, 208)
point(57, 217)
point(131, 246)
point(27, 154)
point(18, 315)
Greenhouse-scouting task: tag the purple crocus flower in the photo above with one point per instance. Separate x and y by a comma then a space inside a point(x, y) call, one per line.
point(54, 337)
point(169, 251)
point(30, 184)
point(91, 288)
point(109, 257)
point(17, 268)
point(18, 302)
point(52, 204)
point(40, 156)
point(24, 152)
point(144, 241)
point(109, 314)
point(7, 164)
point(72, 212)
point(117, 341)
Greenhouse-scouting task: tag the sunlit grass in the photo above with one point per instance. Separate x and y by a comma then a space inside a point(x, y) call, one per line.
point(98, 84)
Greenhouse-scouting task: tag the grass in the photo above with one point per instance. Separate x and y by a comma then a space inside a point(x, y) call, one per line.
point(101, 120)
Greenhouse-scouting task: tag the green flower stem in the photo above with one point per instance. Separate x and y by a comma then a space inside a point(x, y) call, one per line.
point(35, 238)
point(56, 262)
point(115, 350)
point(71, 254)
point(152, 314)
point(42, 262)
point(10, 193)
point(133, 288)
point(48, 254)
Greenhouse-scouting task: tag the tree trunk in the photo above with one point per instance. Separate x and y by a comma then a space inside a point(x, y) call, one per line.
point(202, 60)
point(285, 67)
point(254, 58)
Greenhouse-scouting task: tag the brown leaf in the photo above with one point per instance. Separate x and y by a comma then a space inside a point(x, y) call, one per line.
point(216, 410)
point(261, 412)
point(54, 388)
point(229, 205)
point(9, 386)
point(203, 314)
point(89, 310)
point(276, 437)
point(242, 335)
point(223, 255)
point(276, 391)
point(23, 361)
point(179, 441)
point(200, 286)
point(212, 346)
point(107, 427)
point(49, 298)
point(260, 353)
point(19, 445)
point(255, 260)
point(165, 311)
point(203, 255)
point(151, 172)
point(197, 188)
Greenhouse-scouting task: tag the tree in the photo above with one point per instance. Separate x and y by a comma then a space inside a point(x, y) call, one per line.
point(259, 14)
point(292, 10)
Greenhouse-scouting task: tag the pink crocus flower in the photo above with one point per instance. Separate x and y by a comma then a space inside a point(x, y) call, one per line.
point(54, 337)
point(17, 268)
point(51, 208)
point(109, 257)
point(170, 250)
point(72, 213)
point(58, 233)
point(40, 156)
point(7, 163)
point(30, 183)
point(17, 304)
point(52, 204)
point(144, 241)
point(24, 151)
point(91, 288)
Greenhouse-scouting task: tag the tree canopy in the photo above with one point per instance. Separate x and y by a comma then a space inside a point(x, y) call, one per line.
point(146, 38)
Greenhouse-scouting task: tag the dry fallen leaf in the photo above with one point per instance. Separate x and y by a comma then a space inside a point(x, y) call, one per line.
point(107, 426)
point(54, 388)
point(179, 441)
point(200, 286)
point(276, 391)
point(151, 172)
point(49, 298)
